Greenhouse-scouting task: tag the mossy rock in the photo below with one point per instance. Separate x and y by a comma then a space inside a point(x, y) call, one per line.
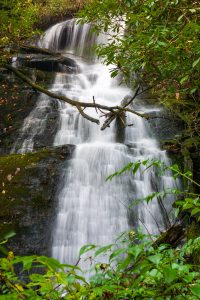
point(28, 197)
point(193, 231)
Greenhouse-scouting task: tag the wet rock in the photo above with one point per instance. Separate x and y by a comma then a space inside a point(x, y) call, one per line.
point(48, 63)
point(164, 125)
point(17, 101)
point(28, 201)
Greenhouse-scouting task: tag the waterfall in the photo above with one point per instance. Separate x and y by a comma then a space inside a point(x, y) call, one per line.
point(90, 209)
point(33, 125)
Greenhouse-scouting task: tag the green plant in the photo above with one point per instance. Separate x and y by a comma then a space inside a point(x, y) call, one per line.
point(134, 267)
point(160, 44)
point(189, 201)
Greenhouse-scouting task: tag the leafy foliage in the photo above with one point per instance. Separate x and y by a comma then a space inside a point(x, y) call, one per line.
point(20, 19)
point(189, 201)
point(17, 18)
point(134, 267)
point(160, 45)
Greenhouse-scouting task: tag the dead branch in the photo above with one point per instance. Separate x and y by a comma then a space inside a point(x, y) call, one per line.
point(111, 117)
point(134, 96)
point(114, 110)
point(86, 116)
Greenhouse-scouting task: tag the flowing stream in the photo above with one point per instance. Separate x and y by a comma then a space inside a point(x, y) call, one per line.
point(91, 209)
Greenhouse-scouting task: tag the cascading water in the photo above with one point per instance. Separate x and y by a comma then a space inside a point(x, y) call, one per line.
point(33, 125)
point(92, 210)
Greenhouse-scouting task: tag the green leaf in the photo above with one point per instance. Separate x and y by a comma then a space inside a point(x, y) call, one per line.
point(86, 248)
point(27, 262)
point(136, 167)
point(135, 250)
point(80, 278)
point(71, 279)
point(195, 211)
point(155, 258)
point(151, 196)
point(175, 168)
point(50, 262)
point(196, 62)
point(102, 250)
point(160, 43)
point(114, 73)
point(169, 274)
point(181, 17)
point(3, 250)
point(7, 235)
point(117, 253)
point(125, 263)
point(195, 290)
point(177, 211)
point(9, 297)
point(193, 90)
point(184, 79)
point(192, 10)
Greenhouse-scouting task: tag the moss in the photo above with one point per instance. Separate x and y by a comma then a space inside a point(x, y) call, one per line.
point(191, 143)
point(193, 231)
point(10, 164)
point(17, 173)
point(13, 169)
point(15, 165)
point(39, 201)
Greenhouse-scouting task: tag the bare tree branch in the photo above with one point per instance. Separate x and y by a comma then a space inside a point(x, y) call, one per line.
point(111, 117)
point(114, 110)
point(86, 116)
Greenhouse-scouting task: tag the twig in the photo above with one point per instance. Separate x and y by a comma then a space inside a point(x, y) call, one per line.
point(86, 116)
point(114, 110)
point(94, 103)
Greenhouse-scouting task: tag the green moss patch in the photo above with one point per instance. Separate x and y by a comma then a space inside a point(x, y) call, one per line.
point(14, 171)
point(13, 168)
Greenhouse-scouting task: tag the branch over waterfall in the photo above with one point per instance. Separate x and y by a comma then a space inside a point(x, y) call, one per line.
point(114, 111)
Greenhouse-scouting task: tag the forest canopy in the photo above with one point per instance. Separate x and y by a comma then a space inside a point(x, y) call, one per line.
point(160, 48)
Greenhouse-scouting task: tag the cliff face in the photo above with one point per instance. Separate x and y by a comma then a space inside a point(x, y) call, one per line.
point(28, 197)
point(17, 100)
point(29, 182)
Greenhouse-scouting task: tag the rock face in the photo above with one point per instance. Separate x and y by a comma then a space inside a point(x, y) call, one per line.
point(28, 182)
point(17, 100)
point(28, 197)
point(164, 125)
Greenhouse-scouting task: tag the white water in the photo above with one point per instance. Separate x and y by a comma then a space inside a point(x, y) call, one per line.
point(33, 125)
point(91, 210)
